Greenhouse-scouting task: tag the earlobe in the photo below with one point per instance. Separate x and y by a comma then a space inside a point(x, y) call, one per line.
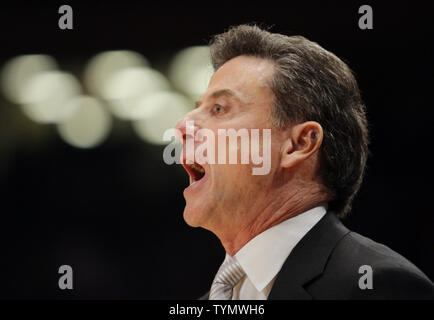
point(287, 149)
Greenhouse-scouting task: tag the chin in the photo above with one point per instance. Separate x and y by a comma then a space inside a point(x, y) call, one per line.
point(192, 217)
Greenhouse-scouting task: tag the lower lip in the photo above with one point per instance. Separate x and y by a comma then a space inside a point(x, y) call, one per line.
point(196, 185)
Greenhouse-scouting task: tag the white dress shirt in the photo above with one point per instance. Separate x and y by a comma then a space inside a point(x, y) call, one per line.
point(263, 256)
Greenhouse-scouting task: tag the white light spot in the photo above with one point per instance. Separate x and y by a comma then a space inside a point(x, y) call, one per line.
point(88, 126)
point(45, 94)
point(19, 70)
point(102, 66)
point(160, 112)
point(126, 87)
point(191, 70)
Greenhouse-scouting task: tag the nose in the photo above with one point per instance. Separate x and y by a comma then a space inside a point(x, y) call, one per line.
point(186, 127)
point(185, 132)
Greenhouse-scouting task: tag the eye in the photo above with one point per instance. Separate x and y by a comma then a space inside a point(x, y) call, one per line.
point(216, 109)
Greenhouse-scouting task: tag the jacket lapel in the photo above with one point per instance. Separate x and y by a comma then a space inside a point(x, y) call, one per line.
point(308, 259)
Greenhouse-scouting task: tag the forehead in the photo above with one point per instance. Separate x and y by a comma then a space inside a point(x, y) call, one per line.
point(246, 76)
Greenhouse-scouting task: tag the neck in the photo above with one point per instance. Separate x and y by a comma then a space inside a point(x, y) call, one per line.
point(274, 212)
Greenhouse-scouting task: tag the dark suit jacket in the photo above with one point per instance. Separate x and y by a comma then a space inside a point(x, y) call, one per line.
point(325, 265)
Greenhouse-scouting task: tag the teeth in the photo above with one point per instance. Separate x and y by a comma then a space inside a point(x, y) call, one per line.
point(197, 168)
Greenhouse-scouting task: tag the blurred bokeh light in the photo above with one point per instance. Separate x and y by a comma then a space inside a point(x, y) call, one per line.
point(99, 69)
point(45, 94)
point(191, 70)
point(88, 126)
point(127, 86)
point(17, 71)
point(160, 112)
point(123, 83)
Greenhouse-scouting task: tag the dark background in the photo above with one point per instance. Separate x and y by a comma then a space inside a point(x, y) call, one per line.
point(114, 213)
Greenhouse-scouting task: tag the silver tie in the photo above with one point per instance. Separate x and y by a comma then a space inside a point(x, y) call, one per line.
point(229, 274)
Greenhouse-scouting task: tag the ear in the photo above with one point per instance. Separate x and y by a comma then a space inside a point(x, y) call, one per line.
point(304, 140)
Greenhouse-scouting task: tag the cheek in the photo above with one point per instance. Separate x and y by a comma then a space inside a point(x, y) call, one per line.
point(232, 180)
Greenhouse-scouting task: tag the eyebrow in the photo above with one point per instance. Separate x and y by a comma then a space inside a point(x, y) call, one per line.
point(219, 93)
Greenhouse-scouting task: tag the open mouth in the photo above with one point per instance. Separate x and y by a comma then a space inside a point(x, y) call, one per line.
point(195, 171)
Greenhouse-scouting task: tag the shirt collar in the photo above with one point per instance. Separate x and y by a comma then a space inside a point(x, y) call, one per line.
point(263, 256)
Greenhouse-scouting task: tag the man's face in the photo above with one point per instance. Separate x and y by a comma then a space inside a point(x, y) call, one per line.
point(229, 194)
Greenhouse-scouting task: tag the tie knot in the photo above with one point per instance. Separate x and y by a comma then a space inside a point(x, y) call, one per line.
point(229, 274)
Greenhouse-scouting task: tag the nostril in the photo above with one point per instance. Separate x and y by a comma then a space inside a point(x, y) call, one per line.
point(187, 136)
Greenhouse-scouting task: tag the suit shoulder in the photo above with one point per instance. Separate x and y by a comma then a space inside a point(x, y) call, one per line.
point(393, 276)
point(359, 249)
point(396, 282)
